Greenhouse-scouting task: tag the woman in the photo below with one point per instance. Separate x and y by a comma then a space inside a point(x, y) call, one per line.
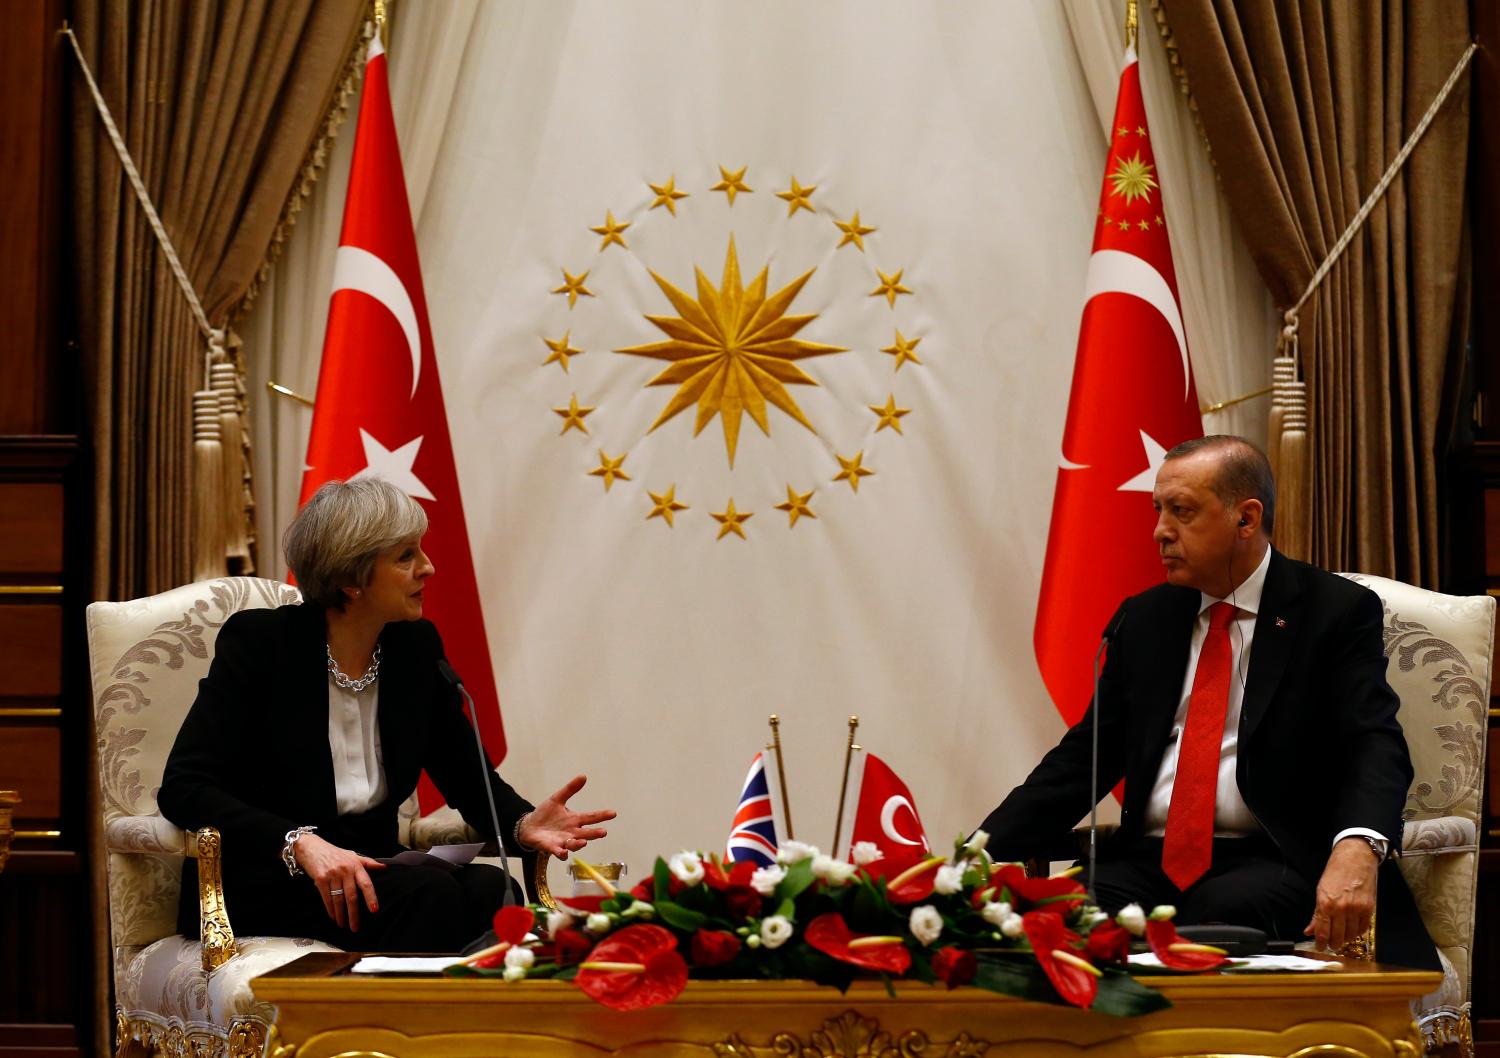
point(329, 711)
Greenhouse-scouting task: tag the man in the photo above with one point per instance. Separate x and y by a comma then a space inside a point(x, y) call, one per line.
point(1245, 705)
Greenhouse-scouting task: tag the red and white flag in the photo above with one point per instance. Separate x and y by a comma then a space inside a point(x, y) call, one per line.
point(379, 409)
point(885, 813)
point(1133, 399)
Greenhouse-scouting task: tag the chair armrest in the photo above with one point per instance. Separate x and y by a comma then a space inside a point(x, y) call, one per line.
point(153, 835)
point(442, 827)
point(1440, 836)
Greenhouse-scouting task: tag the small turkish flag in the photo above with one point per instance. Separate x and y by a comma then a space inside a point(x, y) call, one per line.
point(886, 814)
point(379, 410)
point(1133, 399)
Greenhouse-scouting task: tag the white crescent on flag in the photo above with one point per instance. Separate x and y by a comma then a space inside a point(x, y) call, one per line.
point(888, 819)
point(356, 269)
point(1117, 272)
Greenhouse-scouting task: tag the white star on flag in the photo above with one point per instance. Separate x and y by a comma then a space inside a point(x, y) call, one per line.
point(1156, 455)
point(393, 465)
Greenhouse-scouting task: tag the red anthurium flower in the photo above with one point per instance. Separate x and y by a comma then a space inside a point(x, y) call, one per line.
point(1109, 943)
point(638, 966)
point(907, 878)
point(1074, 977)
point(512, 924)
point(954, 966)
point(1026, 890)
point(1177, 953)
point(712, 947)
point(569, 946)
point(737, 876)
point(644, 890)
point(585, 904)
point(830, 935)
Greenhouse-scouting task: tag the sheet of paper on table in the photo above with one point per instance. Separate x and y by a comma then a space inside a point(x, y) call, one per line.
point(450, 856)
point(1254, 964)
point(407, 964)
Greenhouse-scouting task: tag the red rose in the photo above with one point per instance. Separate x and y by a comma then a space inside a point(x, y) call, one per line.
point(1109, 943)
point(571, 946)
point(713, 947)
point(954, 966)
point(742, 903)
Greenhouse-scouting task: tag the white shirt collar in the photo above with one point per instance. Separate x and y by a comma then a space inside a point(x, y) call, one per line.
point(1246, 598)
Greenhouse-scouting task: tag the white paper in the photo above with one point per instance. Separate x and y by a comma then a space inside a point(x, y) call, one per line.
point(387, 964)
point(437, 856)
point(1253, 964)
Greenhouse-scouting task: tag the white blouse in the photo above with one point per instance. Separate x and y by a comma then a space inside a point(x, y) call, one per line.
point(354, 741)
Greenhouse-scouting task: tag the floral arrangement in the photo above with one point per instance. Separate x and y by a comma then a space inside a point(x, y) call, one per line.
point(958, 920)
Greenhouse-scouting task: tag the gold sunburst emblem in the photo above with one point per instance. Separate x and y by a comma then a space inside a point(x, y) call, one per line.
point(1132, 178)
point(732, 350)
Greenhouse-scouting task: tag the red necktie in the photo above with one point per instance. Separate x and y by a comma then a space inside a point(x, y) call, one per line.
point(1187, 845)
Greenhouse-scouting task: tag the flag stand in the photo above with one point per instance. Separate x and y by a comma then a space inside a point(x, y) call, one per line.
point(775, 746)
point(838, 822)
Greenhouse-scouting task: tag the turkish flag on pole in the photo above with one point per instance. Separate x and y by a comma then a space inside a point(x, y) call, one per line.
point(1133, 399)
point(886, 814)
point(379, 410)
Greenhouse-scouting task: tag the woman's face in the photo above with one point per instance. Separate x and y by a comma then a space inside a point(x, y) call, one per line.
point(395, 589)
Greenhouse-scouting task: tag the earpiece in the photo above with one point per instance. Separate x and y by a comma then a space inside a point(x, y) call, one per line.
point(1244, 522)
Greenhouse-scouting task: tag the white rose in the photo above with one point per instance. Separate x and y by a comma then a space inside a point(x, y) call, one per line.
point(925, 923)
point(598, 922)
point(1163, 913)
point(795, 852)
point(775, 931)
point(949, 880)
point(976, 843)
point(831, 870)
point(639, 909)
point(1132, 918)
point(996, 914)
point(515, 973)
point(557, 921)
point(687, 867)
point(518, 956)
point(866, 852)
point(765, 879)
point(1013, 927)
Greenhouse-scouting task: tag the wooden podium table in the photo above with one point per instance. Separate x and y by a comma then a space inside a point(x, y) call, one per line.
point(1360, 1011)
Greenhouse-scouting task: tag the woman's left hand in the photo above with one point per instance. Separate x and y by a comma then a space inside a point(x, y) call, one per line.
point(555, 828)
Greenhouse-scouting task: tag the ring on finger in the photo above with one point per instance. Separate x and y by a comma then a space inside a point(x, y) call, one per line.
point(335, 892)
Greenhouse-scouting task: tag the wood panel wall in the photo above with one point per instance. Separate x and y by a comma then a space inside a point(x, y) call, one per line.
point(49, 997)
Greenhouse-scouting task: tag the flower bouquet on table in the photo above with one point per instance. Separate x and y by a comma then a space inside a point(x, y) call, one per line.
point(959, 920)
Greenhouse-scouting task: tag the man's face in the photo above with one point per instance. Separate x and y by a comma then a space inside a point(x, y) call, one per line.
point(1195, 531)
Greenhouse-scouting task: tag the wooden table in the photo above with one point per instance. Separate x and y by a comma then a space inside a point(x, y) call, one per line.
point(1360, 1011)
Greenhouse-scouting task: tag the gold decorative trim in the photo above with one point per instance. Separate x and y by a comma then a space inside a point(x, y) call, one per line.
point(8, 801)
point(38, 835)
point(1362, 946)
point(284, 391)
point(539, 884)
point(31, 589)
point(213, 919)
point(852, 1035)
point(1220, 405)
point(13, 713)
point(1174, 60)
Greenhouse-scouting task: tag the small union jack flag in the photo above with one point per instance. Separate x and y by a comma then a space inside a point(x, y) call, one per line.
point(753, 835)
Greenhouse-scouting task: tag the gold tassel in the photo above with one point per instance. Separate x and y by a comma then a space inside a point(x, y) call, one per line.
point(232, 457)
point(1283, 374)
point(1293, 521)
point(208, 487)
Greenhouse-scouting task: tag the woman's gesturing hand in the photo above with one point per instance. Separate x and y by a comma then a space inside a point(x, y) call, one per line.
point(340, 876)
point(555, 828)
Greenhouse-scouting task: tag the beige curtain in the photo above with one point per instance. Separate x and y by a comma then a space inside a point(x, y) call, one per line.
point(1305, 103)
point(219, 104)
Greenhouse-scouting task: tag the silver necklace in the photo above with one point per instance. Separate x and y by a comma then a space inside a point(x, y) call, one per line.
point(348, 683)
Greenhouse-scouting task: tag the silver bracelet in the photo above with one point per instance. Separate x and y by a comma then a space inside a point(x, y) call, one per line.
point(515, 833)
point(288, 853)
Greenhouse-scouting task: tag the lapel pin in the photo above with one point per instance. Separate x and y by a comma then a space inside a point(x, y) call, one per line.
point(1281, 622)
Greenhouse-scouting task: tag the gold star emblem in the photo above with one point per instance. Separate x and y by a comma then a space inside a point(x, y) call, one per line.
point(730, 521)
point(609, 469)
point(1143, 225)
point(1159, 221)
point(853, 232)
point(1140, 130)
point(796, 505)
point(573, 416)
point(852, 471)
point(611, 230)
point(665, 505)
point(1132, 178)
point(561, 350)
point(733, 183)
point(905, 349)
point(732, 350)
point(890, 415)
point(890, 286)
point(797, 197)
point(573, 287)
point(1107, 220)
point(1123, 131)
point(666, 194)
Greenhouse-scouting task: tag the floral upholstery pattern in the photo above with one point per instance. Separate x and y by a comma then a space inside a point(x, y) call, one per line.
point(1439, 653)
point(165, 980)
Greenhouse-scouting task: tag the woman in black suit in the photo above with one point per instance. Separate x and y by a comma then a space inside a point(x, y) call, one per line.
point(312, 727)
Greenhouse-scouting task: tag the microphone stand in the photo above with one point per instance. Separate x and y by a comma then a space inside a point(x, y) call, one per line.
point(1094, 774)
point(484, 771)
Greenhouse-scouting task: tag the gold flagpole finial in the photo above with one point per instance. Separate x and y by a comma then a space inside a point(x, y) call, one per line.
point(1132, 22)
point(381, 22)
point(838, 822)
point(786, 801)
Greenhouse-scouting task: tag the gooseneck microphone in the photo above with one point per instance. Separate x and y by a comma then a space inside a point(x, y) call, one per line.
point(1110, 631)
point(446, 671)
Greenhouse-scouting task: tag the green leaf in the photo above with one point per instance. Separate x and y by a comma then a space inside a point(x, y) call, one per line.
point(798, 877)
point(661, 880)
point(787, 909)
point(679, 917)
point(567, 973)
point(1124, 996)
point(1011, 977)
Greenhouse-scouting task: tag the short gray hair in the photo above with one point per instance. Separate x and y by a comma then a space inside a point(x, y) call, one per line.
point(333, 542)
point(1244, 472)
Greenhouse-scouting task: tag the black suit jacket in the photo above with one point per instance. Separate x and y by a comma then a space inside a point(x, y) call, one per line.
point(253, 758)
point(1319, 745)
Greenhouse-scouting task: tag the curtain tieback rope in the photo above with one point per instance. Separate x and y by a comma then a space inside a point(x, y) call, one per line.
point(214, 335)
point(1287, 346)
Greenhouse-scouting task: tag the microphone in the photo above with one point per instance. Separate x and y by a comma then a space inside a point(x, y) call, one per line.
point(446, 671)
point(1110, 631)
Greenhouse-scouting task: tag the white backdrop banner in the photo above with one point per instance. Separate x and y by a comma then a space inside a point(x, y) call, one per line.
point(756, 326)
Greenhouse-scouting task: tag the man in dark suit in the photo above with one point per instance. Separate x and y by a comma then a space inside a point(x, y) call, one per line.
point(1245, 705)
